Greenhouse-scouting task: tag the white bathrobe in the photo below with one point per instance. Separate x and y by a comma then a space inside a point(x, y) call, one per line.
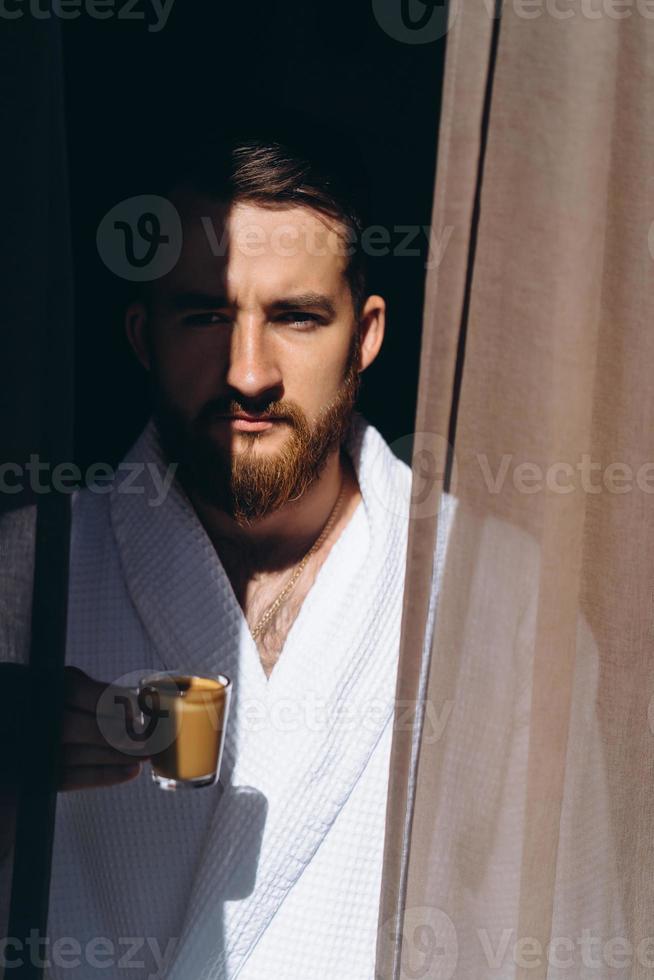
point(276, 873)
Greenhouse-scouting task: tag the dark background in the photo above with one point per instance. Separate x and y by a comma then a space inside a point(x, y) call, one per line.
point(131, 93)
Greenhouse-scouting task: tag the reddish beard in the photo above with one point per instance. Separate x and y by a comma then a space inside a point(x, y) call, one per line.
point(248, 485)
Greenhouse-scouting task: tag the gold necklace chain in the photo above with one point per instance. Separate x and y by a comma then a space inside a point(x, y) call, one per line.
point(272, 609)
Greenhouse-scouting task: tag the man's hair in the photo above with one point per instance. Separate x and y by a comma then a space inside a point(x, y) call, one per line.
point(272, 170)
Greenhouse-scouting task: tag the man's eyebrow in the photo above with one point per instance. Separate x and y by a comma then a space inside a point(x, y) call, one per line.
point(314, 301)
point(199, 301)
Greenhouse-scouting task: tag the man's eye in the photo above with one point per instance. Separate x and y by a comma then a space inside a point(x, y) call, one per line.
point(303, 321)
point(205, 319)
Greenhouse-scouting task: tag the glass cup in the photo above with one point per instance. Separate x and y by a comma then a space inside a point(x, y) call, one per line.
point(184, 716)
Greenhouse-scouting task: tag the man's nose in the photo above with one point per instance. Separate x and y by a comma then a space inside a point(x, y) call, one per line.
point(253, 367)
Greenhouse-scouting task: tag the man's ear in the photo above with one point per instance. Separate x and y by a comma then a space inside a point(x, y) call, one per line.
point(136, 328)
point(371, 330)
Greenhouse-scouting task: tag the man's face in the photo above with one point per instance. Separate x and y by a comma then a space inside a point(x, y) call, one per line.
point(264, 327)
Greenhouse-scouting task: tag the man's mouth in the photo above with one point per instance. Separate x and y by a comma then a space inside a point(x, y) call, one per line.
point(249, 423)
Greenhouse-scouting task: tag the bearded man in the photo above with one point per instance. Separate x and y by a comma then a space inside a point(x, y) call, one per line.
point(276, 558)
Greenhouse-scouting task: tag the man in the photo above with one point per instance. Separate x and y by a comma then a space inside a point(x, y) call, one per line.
point(277, 558)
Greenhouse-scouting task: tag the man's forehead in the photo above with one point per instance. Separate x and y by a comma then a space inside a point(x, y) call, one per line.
point(286, 251)
point(253, 230)
point(192, 204)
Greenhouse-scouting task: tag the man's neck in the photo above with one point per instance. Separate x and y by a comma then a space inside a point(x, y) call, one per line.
point(281, 539)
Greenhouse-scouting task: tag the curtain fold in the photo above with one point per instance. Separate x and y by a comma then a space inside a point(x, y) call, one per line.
point(36, 408)
point(520, 842)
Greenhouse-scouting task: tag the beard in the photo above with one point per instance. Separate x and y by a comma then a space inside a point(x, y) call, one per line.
point(249, 485)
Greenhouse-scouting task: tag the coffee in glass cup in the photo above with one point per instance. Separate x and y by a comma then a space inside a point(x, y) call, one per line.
point(185, 716)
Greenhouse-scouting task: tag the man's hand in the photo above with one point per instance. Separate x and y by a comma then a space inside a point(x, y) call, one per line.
point(93, 735)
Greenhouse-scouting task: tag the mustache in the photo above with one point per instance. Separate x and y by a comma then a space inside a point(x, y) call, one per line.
point(218, 407)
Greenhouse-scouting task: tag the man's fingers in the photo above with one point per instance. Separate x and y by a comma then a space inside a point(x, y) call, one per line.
point(93, 755)
point(92, 777)
point(98, 698)
point(102, 714)
point(81, 691)
point(77, 727)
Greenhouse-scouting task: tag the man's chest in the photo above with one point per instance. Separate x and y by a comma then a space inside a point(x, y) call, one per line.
point(272, 638)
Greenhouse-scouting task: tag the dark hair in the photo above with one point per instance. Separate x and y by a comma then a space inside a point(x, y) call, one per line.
point(308, 169)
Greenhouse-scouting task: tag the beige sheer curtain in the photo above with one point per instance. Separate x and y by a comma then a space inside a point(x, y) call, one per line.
point(520, 837)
